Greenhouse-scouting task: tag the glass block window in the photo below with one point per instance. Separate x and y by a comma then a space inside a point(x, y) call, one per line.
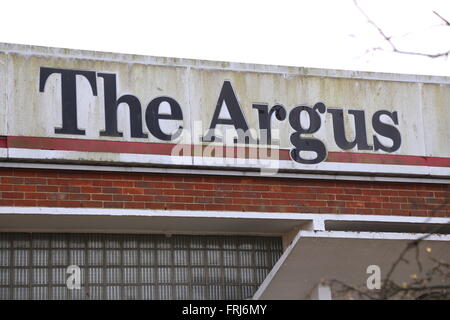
point(119, 266)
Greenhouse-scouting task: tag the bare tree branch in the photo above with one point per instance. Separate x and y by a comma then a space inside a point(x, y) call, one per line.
point(394, 48)
point(422, 286)
point(351, 288)
point(389, 288)
point(380, 31)
point(442, 18)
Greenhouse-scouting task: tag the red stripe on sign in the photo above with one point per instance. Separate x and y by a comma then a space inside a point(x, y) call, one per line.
point(84, 145)
point(66, 144)
point(395, 159)
point(3, 142)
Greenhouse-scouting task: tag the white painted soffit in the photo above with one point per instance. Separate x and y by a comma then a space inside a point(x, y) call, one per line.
point(43, 219)
point(54, 219)
point(345, 256)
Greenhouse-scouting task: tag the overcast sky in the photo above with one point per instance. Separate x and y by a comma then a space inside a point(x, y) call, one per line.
point(316, 33)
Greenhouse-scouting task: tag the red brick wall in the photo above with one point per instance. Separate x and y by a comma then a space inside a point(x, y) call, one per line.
point(57, 188)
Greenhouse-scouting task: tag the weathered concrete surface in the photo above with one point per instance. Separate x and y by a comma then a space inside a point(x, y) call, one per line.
point(42, 110)
point(3, 93)
point(420, 101)
point(367, 95)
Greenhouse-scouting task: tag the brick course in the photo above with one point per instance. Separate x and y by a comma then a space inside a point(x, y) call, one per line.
point(66, 188)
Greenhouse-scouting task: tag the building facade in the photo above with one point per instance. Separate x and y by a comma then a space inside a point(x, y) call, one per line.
point(132, 177)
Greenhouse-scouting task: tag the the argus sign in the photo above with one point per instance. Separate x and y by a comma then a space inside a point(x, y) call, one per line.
point(226, 99)
point(59, 105)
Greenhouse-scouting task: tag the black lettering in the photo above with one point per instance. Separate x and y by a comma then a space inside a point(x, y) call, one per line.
point(360, 139)
point(111, 105)
point(237, 118)
point(68, 95)
point(265, 116)
point(386, 130)
point(152, 117)
point(307, 144)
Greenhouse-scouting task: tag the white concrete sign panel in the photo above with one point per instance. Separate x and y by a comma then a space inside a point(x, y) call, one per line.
point(60, 105)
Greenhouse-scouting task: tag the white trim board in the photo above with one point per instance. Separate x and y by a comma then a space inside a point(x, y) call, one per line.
point(284, 175)
point(56, 219)
point(273, 166)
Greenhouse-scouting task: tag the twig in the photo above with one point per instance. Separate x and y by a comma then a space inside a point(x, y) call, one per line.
point(442, 18)
point(349, 287)
point(388, 39)
point(380, 31)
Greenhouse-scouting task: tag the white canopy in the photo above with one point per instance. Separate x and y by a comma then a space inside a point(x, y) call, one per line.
point(326, 255)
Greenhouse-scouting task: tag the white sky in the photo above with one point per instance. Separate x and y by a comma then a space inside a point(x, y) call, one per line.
point(315, 33)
